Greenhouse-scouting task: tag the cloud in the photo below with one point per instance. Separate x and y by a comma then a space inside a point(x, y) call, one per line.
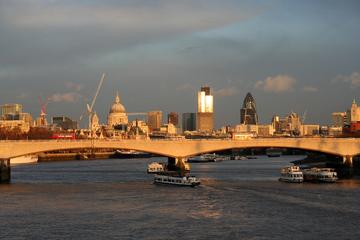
point(136, 15)
point(310, 89)
point(353, 79)
point(226, 92)
point(69, 97)
point(185, 87)
point(277, 84)
point(74, 86)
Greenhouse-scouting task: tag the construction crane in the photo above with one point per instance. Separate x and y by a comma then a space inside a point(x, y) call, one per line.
point(43, 105)
point(90, 108)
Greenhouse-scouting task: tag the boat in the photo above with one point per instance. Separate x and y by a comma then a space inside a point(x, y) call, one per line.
point(323, 175)
point(126, 154)
point(273, 152)
point(208, 157)
point(238, 158)
point(156, 167)
point(221, 158)
point(26, 159)
point(291, 174)
point(189, 181)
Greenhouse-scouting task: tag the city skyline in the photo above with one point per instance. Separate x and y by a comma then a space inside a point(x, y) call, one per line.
point(299, 56)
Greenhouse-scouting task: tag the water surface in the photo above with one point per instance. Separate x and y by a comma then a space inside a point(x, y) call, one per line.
point(116, 199)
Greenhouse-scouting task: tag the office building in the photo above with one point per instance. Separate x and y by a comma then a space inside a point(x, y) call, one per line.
point(154, 120)
point(189, 121)
point(205, 114)
point(339, 119)
point(64, 123)
point(8, 111)
point(173, 118)
point(248, 114)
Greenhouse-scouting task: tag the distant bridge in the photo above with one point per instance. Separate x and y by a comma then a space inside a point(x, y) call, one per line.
point(182, 149)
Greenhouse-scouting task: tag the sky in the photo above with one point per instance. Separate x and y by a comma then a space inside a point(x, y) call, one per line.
point(301, 56)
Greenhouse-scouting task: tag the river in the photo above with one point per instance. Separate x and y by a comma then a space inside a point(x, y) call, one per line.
point(116, 199)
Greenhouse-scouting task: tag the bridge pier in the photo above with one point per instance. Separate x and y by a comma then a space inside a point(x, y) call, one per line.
point(178, 164)
point(5, 171)
point(348, 161)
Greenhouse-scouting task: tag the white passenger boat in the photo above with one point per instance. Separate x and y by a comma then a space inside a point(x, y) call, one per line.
point(176, 180)
point(291, 174)
point(26, 159)
point(155, 167)
point(325, 175)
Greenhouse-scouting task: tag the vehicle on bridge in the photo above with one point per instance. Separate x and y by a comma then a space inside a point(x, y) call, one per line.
point(70, 136)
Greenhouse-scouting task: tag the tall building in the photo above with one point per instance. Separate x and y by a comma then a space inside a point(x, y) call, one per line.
point(339, 119)
point(205, 114)
point(154, 120)
point(248, 113)
point(353, 114)
point(10, 110)
point(64, 123)
point(290, 125)
point(353, 117)
point(173, 118)
point(189, 121)
point(117, 114)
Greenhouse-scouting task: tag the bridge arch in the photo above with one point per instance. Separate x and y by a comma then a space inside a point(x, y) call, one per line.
point(219, 149)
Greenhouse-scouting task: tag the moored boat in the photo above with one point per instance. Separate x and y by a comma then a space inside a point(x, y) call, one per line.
point(156, 167)
point(189, 181)
point(323, 175)
point(26, 159)
point(208, 157)
point(273, 152)
point(291, 174)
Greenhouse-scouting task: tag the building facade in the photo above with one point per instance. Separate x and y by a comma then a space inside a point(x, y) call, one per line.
point(353, 114)
point(9, 110)
point(189, 122)
point(248, 114)
point(65, 123)
point(117, 114)
point(205, 114)
point(339, 119)
point(154, 120)
point(173, 118)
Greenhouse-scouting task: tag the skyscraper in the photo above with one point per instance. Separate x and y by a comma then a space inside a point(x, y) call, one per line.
point(173, 118)
point(205, 114)
point(154, 120)
point(189, 121)
point(248, 113)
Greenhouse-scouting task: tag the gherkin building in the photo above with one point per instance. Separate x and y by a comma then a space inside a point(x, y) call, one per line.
point(248, 113)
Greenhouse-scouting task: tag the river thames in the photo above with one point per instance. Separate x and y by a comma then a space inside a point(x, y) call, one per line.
point(116, 199)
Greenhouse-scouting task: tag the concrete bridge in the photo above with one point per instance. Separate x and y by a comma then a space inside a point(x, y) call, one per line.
point(344, 147)
point(179, 150)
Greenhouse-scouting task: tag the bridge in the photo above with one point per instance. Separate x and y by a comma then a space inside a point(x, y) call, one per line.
point(344, 147)
point(180, 150)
